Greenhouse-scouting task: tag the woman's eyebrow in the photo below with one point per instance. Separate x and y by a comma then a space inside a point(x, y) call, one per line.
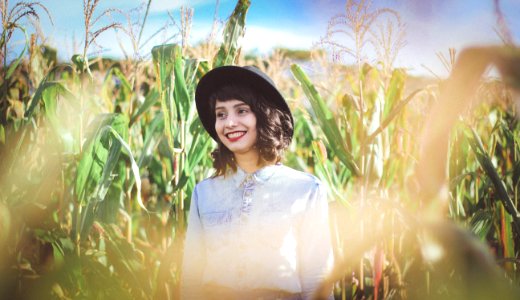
point(234, 106)
point(240, 104)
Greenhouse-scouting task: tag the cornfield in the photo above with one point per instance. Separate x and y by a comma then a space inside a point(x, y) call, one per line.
point(99, 159)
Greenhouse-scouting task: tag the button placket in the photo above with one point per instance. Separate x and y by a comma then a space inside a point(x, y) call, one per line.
point(247, 198)
point(248, 185)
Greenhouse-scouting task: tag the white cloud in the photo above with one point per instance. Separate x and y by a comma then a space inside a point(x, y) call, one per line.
point(426, 38)
point(164, 5)
point(263, 39)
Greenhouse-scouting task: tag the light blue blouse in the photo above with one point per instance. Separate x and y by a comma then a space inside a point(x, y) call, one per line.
point(263, 231)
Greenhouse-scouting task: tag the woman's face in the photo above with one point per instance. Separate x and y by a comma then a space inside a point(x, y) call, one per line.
point(236, 126)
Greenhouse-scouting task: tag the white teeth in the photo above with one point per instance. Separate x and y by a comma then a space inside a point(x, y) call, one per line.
point(235, 135)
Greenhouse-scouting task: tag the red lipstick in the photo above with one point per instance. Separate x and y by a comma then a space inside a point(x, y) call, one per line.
point(235, 135)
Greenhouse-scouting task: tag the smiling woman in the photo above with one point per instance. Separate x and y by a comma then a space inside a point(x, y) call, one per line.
point(258, 99)
point(257, 229)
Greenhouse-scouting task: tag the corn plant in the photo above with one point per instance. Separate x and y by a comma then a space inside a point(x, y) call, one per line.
point(374, 164)
point(483, 168)
point(368, 151)
point(99, 159)
point(114, 204)
point(484, 201)
point(12, 18)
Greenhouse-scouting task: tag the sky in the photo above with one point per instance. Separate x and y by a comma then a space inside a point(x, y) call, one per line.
point(431, 27)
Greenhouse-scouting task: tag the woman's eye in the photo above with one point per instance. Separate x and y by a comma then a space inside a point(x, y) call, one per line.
point(221, 115)
point(243, 111)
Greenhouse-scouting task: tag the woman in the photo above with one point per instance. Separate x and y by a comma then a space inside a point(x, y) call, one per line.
point(257, 229)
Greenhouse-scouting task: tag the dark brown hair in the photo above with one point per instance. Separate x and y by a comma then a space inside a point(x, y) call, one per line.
point(273, 125)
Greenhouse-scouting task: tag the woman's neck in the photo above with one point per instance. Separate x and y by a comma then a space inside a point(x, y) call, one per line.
point(250, 163)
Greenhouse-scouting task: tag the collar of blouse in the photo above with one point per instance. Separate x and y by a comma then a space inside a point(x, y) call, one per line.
point(241, 178)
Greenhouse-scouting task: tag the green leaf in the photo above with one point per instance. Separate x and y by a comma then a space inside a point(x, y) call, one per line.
point(133, 165)
point(149, 101)
point(125, 94)
point(49, 89)
point(95, 155)
point(164, 61)
point(485, 162)
point(152, 138)
point(126, 261)
point(394, 90)
point(107, 176)
point(2, 134)
point(233, 32)
point(17, 61)
point(50, 96)
point(396, 111)
point(96, 164)
point(78, 61)
point(190, 73)
point(5, 224)
point(198, 150)
point(124, 81)
point(326, 120)
point(481, 222)
point(202, 68)
point(95, 176)
point(506, 233)
point(199, 145)
point(180, 92)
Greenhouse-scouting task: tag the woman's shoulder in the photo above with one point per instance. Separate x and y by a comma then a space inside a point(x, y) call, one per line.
point(299, 177)
point(298, 185)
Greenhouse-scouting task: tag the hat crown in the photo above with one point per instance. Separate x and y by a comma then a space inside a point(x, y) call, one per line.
point(260, 73)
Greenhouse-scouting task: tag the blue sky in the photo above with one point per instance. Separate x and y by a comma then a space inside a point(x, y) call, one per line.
point(431, 26)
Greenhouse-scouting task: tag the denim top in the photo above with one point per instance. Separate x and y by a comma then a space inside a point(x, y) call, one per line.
point(266, 230)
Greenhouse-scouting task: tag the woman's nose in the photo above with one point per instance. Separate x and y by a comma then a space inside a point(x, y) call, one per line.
point(230, 121)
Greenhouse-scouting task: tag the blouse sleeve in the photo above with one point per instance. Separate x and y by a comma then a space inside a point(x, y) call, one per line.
point(194, 254)
point(316, 250)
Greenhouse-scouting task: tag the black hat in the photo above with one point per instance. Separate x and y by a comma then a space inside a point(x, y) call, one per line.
point(248, 76)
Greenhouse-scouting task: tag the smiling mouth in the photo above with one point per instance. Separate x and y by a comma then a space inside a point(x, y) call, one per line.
point(235, 135)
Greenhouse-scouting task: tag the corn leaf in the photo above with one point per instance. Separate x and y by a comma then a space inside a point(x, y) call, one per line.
point(506, 236)
point(394, 90)
point(198, 150)
point(126, 261)
point(2, 134)
point(150, 99)
point(96, 178)
point(114, 76)
point(233, 32)
point(78, 61)
point(392, 115)
point(17, 61)
point(152, 138)
point(180, 92)
point(190, 73)
point(163, 61)
point(500, 187)
point(95, 155)
point(133, 163)
point(326, 120)
point(52, 88)
point(481, 222)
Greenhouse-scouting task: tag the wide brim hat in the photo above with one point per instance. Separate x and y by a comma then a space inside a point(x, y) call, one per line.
point(248, 76)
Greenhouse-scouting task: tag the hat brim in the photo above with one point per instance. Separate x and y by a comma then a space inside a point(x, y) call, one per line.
point(225, 75)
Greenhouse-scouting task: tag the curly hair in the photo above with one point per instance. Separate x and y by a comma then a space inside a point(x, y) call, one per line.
point(273, 125)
